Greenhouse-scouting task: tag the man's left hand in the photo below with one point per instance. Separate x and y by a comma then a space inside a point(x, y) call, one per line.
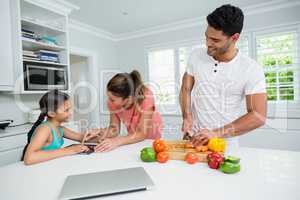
point(202, 137)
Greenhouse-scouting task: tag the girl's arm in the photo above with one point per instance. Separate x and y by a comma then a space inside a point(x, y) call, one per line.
point(97, 135)
point(34, 154)
point(72, 135)
point(140, 134)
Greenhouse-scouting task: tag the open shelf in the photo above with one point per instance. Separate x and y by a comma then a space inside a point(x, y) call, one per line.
point(42, 26)
point(40, 91)
point(45, 62)
point(29, 44)
point(37, 20)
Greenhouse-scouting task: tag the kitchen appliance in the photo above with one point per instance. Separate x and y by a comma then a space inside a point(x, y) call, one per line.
point(40, 76)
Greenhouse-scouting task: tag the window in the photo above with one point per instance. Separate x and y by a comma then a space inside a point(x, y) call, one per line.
point(167, 66)
point(277, 53)
point(162, 75)
point(184, 54)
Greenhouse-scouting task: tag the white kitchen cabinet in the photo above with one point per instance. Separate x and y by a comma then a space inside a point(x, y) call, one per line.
point(11, 156)
point(12, 143)
point(43, 18)
point(6, 50)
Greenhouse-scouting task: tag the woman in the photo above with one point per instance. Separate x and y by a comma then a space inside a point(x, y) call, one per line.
point(132, 103)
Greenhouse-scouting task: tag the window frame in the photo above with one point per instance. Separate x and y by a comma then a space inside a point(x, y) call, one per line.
point(282, 108)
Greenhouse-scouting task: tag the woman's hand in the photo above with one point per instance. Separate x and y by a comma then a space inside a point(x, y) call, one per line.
point(76, 148)
point(107, 144)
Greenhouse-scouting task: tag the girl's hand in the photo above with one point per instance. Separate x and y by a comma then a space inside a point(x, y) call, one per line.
point(107, 144)
point(76, 148)
point(94, 133)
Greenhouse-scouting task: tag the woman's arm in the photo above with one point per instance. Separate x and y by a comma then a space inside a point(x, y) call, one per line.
point(141, 132)
point(34, 154)
point(113, 129)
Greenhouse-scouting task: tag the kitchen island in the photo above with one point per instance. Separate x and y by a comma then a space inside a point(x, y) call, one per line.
point(265, 174)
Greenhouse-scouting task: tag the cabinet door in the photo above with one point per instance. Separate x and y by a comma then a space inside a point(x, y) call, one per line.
point(6, 59)
point(11, 156)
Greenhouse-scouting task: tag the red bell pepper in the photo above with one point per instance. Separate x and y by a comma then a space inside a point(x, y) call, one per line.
point(214, 160)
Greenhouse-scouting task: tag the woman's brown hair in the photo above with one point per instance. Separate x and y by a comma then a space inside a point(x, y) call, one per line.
point(127, 84)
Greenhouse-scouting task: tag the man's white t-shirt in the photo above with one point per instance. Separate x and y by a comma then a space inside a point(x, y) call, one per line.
point(220, 88)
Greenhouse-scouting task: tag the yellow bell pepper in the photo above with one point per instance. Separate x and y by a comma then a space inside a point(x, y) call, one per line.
point(217, 144)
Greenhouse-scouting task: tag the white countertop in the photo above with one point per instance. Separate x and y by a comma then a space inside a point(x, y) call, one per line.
point(265, 174)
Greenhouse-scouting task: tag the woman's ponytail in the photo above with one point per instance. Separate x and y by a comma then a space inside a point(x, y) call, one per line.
point(138, 85)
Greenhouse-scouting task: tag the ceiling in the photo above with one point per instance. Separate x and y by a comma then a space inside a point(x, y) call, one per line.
point(123, 16)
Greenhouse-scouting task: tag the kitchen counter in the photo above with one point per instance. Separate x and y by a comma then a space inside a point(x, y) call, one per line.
point(265, 174)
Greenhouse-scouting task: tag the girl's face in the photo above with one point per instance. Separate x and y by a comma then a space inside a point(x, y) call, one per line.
point(63, 112)
point(119, 101)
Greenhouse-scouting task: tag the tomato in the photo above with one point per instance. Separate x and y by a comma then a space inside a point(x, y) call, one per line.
point(191, 158)
point(159, 145)
point(162, 157)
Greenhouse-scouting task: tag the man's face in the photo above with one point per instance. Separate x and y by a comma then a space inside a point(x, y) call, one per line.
point(217, 42)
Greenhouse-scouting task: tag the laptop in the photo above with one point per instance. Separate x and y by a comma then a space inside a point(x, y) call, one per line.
point(106, 183)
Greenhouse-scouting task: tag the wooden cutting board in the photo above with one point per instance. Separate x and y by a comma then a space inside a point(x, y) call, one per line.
point(177, 150)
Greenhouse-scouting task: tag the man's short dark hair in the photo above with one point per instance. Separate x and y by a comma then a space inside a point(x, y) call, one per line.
point(227, 18)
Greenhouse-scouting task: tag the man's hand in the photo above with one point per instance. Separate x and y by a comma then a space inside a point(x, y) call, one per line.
point(187, 125)
point(202, 137)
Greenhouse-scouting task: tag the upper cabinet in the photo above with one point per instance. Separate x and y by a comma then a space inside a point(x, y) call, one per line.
point(6, 50)
point(36, 49)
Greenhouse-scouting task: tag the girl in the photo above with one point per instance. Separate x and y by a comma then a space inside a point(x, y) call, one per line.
point(132, 103)
point(46, 137)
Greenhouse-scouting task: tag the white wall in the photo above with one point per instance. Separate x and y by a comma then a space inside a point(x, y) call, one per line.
point(131, 54)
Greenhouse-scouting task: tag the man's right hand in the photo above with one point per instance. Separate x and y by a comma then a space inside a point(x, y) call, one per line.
point(187, 125)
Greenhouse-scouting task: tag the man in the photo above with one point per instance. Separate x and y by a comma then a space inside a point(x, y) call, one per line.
point(218, 79)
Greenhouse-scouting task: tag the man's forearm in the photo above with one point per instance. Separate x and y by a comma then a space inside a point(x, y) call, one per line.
point(244, 124)
point(185, 103)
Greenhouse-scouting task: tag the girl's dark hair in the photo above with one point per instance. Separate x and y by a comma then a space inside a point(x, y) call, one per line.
point(49, 102)
point(227, 18)
point(127, 84)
